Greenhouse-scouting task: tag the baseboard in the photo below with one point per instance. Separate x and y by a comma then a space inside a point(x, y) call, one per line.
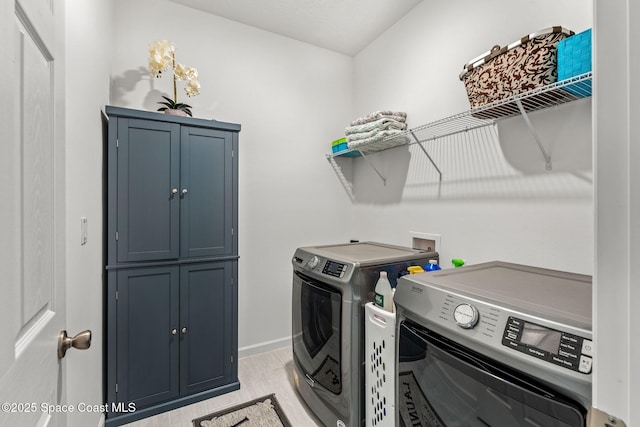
point(263, 347)
point(138, 414)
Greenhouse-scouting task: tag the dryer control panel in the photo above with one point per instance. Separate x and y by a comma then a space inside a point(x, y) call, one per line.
point(334, 269)
point(323, 266)
point(557, 347)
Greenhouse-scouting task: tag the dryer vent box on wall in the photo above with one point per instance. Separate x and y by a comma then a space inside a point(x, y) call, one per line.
point(425, 241)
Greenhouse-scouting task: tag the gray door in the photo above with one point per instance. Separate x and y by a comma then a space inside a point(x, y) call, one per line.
point(207, 321)
point(206, 192)
point(148, 183)
point(148, 340)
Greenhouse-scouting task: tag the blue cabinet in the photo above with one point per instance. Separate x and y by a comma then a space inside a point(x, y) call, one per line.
point(147, 338)
point(174, 190)
point(207, 318)
point(206, 193)
point(147, 212)
point(172, 262)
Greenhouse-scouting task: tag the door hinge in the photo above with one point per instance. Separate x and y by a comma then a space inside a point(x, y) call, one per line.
point(232, 358)
point(232, 231)
point(117, 143)
point(116, 387)
point(117, 295)
point(117, 235)
point(233, 153)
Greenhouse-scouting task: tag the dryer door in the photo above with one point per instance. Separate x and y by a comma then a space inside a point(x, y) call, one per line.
point(316, 332)
point(444, 384)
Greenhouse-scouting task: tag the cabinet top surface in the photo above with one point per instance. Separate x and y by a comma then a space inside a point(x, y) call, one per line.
point(112, 111)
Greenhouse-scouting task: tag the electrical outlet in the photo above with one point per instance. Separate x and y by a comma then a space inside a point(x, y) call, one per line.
point(425, 241)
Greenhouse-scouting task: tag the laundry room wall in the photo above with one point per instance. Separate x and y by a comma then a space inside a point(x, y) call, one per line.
point(292, 100)
point(495, 200)
point(89, 27)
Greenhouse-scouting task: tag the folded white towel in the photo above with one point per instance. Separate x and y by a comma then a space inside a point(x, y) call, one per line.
point(380, 124)
point(380, 141)
point(376, 115)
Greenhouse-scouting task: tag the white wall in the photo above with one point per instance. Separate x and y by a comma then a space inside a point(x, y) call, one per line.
point(89, 46)
point(495, 201)
point(292, 100)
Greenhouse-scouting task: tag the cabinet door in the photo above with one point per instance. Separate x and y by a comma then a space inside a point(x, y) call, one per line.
point(206, 180)
point(148, 174)
point(208, 314)
point(147, 335)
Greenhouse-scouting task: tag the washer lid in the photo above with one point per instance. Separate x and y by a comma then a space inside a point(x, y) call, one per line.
point(366, 252)
point(555, 295)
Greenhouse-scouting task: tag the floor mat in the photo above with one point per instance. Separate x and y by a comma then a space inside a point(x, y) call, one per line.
point(262, 412)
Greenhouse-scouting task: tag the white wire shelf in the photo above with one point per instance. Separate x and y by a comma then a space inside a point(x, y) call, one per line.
point(568, 90)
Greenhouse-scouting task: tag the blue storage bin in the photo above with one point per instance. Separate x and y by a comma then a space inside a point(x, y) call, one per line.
point(351, 154)
point(340, 145)
point(574, 59)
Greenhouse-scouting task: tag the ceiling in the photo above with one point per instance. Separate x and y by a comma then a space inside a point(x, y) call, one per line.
point(345, 26)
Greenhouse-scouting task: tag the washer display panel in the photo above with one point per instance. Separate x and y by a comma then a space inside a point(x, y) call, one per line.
point(560, 348)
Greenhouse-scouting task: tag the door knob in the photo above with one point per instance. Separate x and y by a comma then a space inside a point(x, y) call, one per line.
point(82, 341)
point(184, 192)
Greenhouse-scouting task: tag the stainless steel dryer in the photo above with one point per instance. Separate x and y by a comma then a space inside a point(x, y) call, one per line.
point(494, 344)
point(331, 285)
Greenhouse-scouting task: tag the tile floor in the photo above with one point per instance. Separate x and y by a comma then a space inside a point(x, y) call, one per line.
point(259, 375)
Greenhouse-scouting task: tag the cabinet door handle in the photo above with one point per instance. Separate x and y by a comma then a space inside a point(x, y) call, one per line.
point(174, 191)
point(174, 331)
point(184, 330)
point(184, 192)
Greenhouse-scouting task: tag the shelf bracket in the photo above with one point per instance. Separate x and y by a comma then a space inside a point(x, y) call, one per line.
point(424, 150)
point(525, 116)
point(348, 187)
point(384, 180)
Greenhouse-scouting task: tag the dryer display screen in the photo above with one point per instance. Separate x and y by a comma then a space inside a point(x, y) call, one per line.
point(560, 348)
point(543, 338)
point(334, 269)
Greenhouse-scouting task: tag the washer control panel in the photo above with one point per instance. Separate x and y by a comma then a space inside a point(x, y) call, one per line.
point(324, 266)
point(557, 347)
point(465, 315)
point(334, 269)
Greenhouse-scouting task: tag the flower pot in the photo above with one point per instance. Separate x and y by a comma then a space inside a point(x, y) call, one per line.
point(172, 112)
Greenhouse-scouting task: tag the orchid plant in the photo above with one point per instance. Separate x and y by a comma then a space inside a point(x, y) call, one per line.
point(162, 58)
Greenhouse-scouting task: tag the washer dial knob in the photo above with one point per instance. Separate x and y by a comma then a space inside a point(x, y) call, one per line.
point(466, 316)
point(313, 262)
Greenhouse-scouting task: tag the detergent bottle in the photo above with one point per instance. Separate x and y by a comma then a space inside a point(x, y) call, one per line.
point(432, 266)
point(383, 293)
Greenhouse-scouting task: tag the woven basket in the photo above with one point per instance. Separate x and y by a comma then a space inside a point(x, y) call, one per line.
point(510, 70)
point(574, 59)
